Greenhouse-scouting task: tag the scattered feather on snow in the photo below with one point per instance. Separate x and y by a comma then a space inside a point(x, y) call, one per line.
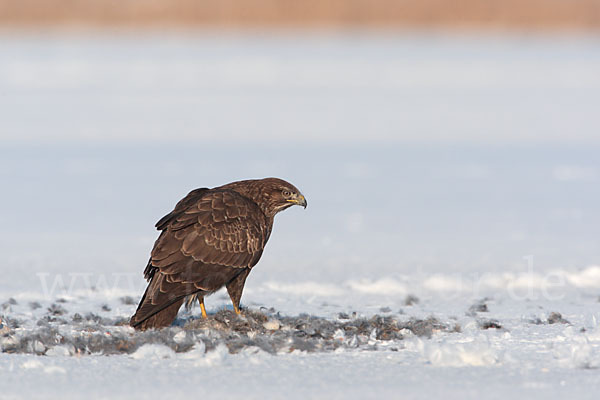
point(271, 333)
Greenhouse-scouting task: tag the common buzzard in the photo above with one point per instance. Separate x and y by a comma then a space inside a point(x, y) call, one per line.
point(211, 239)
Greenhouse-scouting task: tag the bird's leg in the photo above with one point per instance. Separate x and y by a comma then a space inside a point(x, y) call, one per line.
point(235, 288)
point(202, 308)
point(235, 300)
point(236, 309)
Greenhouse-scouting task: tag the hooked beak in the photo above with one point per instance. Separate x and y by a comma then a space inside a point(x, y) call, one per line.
point(299, 200)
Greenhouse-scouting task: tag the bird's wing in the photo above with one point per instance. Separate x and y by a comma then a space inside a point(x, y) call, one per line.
point(220, 227)
point(183, 204)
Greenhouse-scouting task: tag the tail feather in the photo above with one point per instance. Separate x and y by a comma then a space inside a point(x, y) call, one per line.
point(161, 319)
point(160, 303)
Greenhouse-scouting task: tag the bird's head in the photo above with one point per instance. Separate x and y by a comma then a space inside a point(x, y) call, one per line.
point(272, 195)
point(278, 195)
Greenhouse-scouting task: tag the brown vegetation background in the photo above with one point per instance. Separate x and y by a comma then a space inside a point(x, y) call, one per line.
point(561, 14)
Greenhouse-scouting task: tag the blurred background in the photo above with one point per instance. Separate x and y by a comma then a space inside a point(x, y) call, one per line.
point(429, 136)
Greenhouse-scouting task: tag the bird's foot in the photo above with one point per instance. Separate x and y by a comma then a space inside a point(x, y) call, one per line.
point(203, 309)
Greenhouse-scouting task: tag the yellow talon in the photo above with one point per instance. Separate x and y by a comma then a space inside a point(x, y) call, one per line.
point(203, 309)
point(236, 309)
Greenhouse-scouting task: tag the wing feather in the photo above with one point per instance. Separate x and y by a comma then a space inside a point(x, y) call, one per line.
point(220, 227)
point(183, 204)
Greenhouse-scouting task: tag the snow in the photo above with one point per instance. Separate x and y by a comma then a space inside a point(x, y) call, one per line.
point(475, 276)
point(511, 345)
point(296, 376)
point(153, 352)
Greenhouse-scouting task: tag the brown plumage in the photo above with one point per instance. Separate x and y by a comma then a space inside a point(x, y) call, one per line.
point(211, 239)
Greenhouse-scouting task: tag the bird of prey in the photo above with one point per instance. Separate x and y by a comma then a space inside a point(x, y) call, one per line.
point(211, 239)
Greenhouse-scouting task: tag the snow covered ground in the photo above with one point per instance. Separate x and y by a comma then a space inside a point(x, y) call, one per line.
point(449, 248)
point(503, 344)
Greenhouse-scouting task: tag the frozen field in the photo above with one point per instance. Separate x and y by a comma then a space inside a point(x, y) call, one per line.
point(449, 248)
point(354, 341)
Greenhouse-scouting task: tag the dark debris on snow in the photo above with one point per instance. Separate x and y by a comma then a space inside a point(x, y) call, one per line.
point(478, 307)
point(553, 318)
point(557, 318)
point(269, 331)
point(489, 324)
point(411, 300)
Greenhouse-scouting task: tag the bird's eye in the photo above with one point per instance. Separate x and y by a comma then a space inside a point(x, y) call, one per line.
point(286, 193)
